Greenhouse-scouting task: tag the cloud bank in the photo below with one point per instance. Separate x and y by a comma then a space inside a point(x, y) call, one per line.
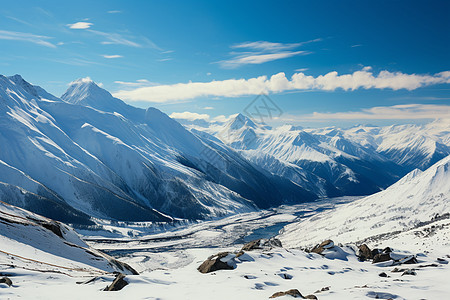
point(364, 79)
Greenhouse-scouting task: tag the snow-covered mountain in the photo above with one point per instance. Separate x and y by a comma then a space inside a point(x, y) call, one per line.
point(332, 161)
point(91, 155)
point(418, 198)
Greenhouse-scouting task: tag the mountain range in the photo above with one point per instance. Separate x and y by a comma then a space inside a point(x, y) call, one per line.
point(88, 155)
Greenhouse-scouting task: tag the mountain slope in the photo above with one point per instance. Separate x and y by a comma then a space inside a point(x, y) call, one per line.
point(416, 198)
point(31, 241)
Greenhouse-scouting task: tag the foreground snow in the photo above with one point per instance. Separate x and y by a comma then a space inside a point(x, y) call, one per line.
point(256, 279)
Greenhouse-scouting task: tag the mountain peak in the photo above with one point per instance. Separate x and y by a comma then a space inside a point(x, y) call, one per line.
point(85, 91)
point(240, 121)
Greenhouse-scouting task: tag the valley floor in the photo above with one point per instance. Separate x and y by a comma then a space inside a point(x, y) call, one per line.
point(168, 261)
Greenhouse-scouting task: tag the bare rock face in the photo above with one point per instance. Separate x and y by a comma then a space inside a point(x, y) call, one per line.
point(220, 261)
point(118, 283)
point(6, 281)
point(322, 246)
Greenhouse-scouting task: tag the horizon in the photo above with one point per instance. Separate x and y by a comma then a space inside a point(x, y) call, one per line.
point(209, 60)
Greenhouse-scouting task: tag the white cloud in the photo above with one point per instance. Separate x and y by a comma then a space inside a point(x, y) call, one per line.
point(396, 112)
point(208, 107)
point(112, 56)
point(262, 51)
point(252, 59)
point(26, 37)
point(80, 25)
point(165, 59)
point(278, 83)
point(301, 70)
point(189, 116)
point(114, 12)
point(137, 83)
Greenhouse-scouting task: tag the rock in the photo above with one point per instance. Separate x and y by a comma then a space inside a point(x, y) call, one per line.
point(322, 246)
point(118, 283)
point(381, 257)
point(262, 244)
point(408, 260)
point(409, 272)
point(324, 289)
point(397, 270)
point(220, 261)
point(6, 280)
point(53, 227)
point(442, 261)
point(293, 292)
point(364, 253)
point(387, 250)
point(376, 251)
point(383, 274)
point(256, 244)
point(310, 297)
point(87, 281)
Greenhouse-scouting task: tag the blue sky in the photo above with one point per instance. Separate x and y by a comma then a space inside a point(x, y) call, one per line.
point(213, 58)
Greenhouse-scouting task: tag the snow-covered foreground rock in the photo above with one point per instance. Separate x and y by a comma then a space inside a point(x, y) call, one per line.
point(414, 201)
point(29, 241)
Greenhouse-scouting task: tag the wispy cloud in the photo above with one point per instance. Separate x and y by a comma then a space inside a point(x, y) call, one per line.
point(112, 56)
point(396, 112)
point(115, 38)
point(261, 52)
point(114, 11)
point(301, 70)
point(26, 37)
point(208, 107)
point(357, 45)
point(20, 21)
point(278, 83)
point(189, 116)
point(165, 59)
point(134, 84)
point(80, 25)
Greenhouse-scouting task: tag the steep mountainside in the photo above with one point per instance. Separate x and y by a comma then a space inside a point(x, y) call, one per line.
point(417, 198)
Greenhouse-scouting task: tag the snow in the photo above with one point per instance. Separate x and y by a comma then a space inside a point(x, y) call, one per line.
point(417, 198)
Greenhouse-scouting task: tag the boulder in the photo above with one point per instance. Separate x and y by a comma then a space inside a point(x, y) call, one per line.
point(364, 253)
point(6, 280)
point(118, 283)
point(262, 244)
point(383, 274)
point(293, 292)
point(220, 261)
point(408, 260)
point(255, 244)
point(381, 257)
point(409, 272)
point(322, 246)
